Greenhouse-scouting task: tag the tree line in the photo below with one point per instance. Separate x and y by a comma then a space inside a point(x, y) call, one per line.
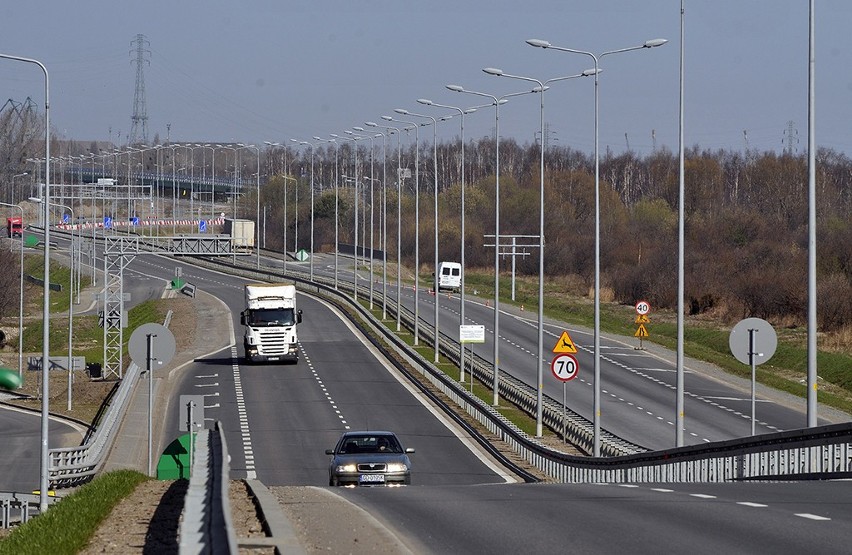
point(746, 220)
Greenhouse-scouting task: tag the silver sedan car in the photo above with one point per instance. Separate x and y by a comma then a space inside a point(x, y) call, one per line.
point(369, 459)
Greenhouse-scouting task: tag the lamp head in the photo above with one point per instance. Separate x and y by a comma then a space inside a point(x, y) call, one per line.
point(654, 43)
point(317, 138)
point(425, 101)
point(592, 71)
point(401, 111)
point(336, 136)
point(348, 132)
point(493, 71)
point(294, 140)
point(371, 124)
point(538, 43)
point(358, 128)
point(387, 118)
point(455, 88)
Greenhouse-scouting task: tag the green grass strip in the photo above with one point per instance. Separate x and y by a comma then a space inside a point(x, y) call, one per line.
point(70, 523)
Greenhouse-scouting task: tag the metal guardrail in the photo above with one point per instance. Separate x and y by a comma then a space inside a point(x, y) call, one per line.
point(19, 507)
point(206, 520)
point(69, 466)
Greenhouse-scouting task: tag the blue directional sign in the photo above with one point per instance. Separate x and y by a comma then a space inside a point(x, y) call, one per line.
point(202, 226)
point(134, 220)
point(107, 222)
point(66, 218)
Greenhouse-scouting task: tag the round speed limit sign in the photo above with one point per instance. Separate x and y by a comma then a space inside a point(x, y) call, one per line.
point(565, 367)
point(643, 308)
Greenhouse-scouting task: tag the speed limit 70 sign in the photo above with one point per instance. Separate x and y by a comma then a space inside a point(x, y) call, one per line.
point(565, 367)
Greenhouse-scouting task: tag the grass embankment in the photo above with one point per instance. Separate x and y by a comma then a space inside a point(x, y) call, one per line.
point(68, 525)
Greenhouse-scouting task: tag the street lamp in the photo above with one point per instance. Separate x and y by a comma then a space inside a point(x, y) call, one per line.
point(384, 221)
point(257, 225)
point(496, 102)
point(372, 179)
point(435, 171)
point(597, 331)
point(398, 222)
point(416, 127)
point(462, 113)
point(45, 353)
point(355, 240)
point(540, 356)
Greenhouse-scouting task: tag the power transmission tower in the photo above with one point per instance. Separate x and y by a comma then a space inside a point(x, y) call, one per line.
point(140, 111)
point(791, 137)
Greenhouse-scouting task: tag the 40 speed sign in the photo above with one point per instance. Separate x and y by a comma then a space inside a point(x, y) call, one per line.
point(565, 367)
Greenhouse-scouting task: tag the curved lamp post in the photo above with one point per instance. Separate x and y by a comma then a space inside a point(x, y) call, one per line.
point(43, 481)
point(372, 179)
point(355, 241)
point(496, 102)
point(542, 87)
point(383, 220)
point(398, 222)
point(416, 224)
point(597, 331)
point(435, 192)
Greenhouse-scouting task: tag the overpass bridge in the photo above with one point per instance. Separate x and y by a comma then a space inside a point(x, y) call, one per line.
point(178, 183)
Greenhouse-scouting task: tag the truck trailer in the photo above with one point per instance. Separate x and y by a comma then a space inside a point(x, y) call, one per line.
point(241, 233)
point(270, 320)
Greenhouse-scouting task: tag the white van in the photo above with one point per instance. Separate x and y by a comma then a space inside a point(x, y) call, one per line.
point(449, 276)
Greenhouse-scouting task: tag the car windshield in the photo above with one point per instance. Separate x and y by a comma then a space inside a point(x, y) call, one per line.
point(369, 444)
point(271, 317)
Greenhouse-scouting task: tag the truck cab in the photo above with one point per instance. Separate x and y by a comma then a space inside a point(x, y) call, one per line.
point(270, 319)
point(15, 226)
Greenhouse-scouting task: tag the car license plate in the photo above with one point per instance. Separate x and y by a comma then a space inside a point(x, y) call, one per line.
point(371, 479)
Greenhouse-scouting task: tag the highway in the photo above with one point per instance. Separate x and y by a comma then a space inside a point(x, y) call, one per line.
point(460, 501)
point(805, 517)
point(638, 386)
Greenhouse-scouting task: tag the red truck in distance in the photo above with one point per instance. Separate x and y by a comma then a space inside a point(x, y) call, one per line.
point(15, 226)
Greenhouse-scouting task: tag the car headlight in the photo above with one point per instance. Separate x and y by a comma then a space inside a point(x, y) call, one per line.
point(345, 468)
point(397, 467)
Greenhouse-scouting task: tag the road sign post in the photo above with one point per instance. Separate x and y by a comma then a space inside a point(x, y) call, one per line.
point(642, 310)
point(743, 343)
point(142, 345)
point(565, 368)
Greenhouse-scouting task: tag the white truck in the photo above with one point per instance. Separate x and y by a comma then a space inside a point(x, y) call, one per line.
point(270, 320)
point(241, 233)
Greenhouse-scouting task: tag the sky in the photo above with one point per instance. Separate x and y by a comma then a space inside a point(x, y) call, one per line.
point(273, 70)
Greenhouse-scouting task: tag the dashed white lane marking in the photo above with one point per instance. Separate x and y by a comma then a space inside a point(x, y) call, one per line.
point(248, 450)
point(702, 496)
point(811, 516)
point(751, 504)
point(322, 387)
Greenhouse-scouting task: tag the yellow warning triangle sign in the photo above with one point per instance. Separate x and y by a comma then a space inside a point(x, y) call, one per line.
point(642, 319)
point(641, 332)
point(564, 344)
